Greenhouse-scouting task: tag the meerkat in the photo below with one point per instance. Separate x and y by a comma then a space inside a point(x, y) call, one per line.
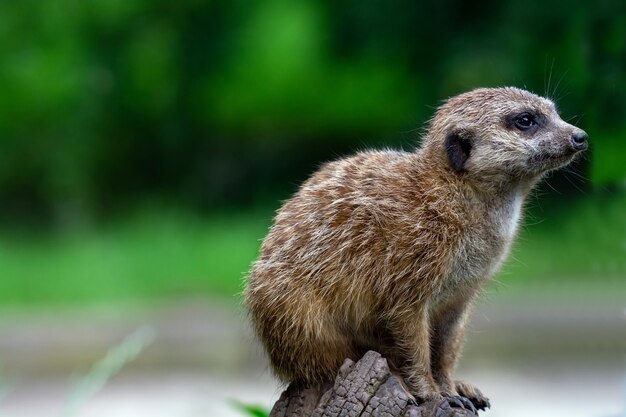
point(385, 250)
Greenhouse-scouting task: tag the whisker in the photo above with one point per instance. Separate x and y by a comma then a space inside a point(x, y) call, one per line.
point(556, 87)
point(568, 179)
point(576, 174)
point(579, 117)
point(545, 70)
point(569, 119)
point(550, 78)
point(547, 182)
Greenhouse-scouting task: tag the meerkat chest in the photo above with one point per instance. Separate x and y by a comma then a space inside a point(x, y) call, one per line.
point(485, 245)
point(506, 217)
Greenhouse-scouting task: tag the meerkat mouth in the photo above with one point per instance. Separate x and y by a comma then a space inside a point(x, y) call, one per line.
point(549, 161)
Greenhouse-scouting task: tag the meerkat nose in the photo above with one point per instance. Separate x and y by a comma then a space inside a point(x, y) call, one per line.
point(579, 140)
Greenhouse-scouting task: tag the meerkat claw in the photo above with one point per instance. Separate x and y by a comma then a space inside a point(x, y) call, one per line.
point(455, 402)
point(473, 394)
point(458, 401)
point(468, 405)
point(480, 402)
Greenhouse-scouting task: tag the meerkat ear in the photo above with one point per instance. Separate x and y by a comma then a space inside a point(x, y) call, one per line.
point(458, 147)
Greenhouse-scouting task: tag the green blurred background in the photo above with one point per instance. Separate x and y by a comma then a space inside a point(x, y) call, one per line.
point(144, 145)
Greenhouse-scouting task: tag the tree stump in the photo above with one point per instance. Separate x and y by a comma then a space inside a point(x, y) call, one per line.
point(365, 388)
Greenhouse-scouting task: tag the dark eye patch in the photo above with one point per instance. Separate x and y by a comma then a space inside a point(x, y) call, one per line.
point(524, 121)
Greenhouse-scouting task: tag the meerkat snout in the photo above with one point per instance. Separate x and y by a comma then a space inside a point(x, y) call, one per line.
point(579, 140)
point(555, 144)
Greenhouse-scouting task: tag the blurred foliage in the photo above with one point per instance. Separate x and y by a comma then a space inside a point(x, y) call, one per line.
point(115, 107)
point(106, 103)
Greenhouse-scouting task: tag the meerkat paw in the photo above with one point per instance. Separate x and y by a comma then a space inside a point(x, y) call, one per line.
point(420, 395)
point(473, 394)
point(444, 399)
point(459, 401)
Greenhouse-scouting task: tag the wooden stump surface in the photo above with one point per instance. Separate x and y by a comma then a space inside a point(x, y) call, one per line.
point(364, 388)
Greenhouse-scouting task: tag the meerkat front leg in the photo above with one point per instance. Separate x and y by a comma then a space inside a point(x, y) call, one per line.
point(448, 330)
point(411, 354)
point(412, 358)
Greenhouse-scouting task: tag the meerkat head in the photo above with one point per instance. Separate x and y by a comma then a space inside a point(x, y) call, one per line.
point(503, 135)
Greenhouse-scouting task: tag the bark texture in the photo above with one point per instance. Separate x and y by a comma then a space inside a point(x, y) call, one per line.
point(364, 388)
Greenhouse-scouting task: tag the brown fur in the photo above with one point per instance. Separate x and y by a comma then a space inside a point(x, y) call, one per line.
point(385, 250)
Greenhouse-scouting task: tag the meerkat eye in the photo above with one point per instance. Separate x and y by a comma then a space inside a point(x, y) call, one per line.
point(524, 121)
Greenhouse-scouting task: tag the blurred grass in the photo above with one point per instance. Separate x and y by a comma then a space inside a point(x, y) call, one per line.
point(156, 254)
point(581, 242)
point(168, 253)
point(106, 368)
point(251, 410)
